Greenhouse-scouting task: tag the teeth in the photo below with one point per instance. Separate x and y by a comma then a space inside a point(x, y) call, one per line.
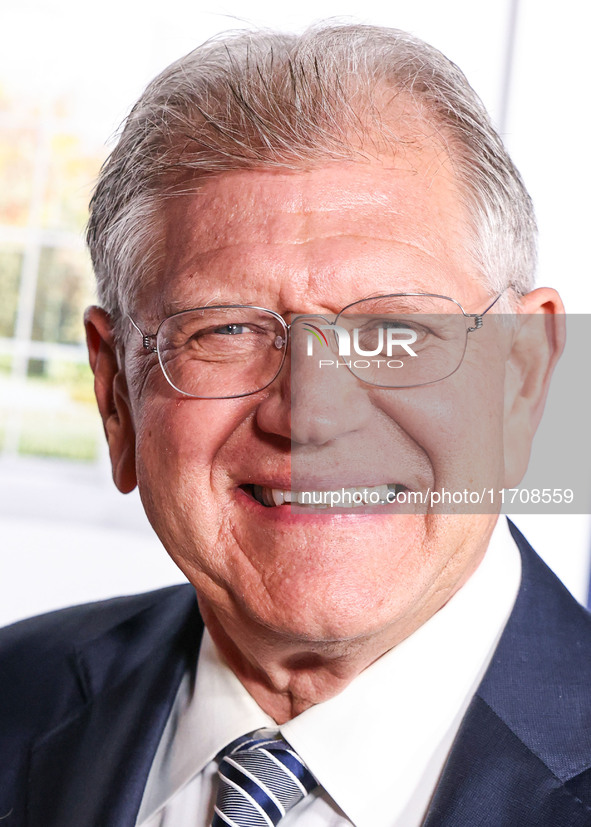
point(278, 496)
point(340, 498)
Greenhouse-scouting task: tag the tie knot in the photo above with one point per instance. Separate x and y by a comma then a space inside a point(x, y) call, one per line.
point(260, 779)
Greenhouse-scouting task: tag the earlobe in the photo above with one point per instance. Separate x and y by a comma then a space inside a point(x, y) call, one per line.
point(536, 347)
point(112, 397)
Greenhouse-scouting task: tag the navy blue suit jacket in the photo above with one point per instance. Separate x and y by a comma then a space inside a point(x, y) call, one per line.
point(85, 694)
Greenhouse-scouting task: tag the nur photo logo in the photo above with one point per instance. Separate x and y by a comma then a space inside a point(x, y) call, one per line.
point(386, 341)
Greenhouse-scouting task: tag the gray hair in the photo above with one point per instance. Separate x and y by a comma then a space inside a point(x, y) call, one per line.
point(250, 100)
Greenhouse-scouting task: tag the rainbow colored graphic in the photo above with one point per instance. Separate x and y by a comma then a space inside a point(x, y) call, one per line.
point(315, 331)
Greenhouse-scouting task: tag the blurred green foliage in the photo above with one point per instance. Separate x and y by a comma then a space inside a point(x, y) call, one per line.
point(48, 165)
point(10, 270)
point(64, 289)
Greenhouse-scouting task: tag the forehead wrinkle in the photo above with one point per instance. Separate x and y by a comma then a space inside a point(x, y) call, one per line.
point(222, 230)
point(302, 276)
point(272, 204)
point(314, 271)
point(239, 245)
point(205, 238)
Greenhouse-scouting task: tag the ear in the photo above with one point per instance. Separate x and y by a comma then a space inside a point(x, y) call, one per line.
point(110, 387)
point(537, 345)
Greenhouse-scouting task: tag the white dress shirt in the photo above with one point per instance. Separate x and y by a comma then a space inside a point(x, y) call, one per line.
point(378, 748)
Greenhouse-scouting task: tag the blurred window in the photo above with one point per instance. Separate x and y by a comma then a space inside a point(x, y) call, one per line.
point(48, 165)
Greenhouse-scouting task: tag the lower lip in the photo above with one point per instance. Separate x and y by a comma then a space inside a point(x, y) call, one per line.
point(285, 514)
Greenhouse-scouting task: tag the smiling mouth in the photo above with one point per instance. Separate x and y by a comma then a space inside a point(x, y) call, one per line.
point(353, 497)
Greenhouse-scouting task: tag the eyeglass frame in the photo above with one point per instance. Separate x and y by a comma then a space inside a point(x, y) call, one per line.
point(150, 340)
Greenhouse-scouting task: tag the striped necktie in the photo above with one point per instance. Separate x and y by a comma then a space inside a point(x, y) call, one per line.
point(260, 779)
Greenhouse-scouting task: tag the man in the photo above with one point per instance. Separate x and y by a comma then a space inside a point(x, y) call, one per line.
point(398, 662)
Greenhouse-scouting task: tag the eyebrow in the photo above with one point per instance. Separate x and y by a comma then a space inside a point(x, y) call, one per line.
point(401, 303)
point(406, 303)
point(169, 308)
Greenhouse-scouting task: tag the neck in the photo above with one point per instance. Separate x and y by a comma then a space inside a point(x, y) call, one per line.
point(286, 677)
point(286, 674)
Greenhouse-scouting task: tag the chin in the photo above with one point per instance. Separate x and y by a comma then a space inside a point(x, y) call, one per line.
point(326, 611)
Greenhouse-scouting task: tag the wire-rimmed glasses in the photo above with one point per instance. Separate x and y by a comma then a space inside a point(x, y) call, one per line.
point(399, 340)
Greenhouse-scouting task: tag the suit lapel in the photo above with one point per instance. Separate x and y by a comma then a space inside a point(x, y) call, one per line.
point(493, 780)
point(131, 676)
point(523, 753)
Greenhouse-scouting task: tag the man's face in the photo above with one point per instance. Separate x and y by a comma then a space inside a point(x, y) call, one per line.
point(312, 242)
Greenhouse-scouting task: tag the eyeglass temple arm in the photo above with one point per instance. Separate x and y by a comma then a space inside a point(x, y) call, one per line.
point(148, 340)
point(478, 316)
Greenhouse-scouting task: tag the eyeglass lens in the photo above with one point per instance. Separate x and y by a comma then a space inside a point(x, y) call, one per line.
point(221, 352)
point(397, 341)
point(402, 341)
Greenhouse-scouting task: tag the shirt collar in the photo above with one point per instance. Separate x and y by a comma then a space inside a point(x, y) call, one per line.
point(208, 714)
point(389, 731)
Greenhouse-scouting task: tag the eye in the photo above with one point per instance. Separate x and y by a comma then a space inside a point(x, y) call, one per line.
point(233, 338)
point(407, 329)
point(396, 324)
point(423, 330)
point(231, 329)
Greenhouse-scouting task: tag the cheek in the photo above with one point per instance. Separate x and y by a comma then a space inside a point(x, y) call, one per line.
point(185, 432)
point(457, 424)
point(469, 445)
point(183, 483)
point(178, 449)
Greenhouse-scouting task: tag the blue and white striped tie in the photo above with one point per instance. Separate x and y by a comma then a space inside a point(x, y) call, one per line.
point(260, 779)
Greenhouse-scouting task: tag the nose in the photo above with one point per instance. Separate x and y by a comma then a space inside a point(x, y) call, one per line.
point(315, 399)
